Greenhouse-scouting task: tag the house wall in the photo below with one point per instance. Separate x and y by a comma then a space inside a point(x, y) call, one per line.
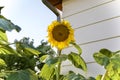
point(97, 25)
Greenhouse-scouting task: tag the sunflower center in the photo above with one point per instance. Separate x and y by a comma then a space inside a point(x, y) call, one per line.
point(60, 33)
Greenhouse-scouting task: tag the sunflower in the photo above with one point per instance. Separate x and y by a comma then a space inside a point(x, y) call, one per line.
point(60, 34)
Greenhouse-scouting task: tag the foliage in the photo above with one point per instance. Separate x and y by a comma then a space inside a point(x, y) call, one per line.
point(23, 75)
point(18, 62)
point(111, 62)
point(7, 25)
point(51, 69)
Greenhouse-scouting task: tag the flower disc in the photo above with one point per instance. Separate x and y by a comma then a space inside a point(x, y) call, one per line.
point(60, 33)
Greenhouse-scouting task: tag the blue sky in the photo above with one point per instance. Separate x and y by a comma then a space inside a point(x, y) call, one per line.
point(31, 15)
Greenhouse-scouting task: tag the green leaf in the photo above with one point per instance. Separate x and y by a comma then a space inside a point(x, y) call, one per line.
point(32, 51)
point(2, 64)
point(116, 60)
point(77, 61)
point(10, 60)
point(106, 52)
point(99, 77)
point(43, 58)
point(101, 59)
point(63, 57)
point(72, 76)
point(5, 49)
point(3, 37)
point(117, 52)
point(7, 25)
point(47, 72)
point(91, 78)
point(23, 75)
point(51, 60)
point(112, 69)
point(3, 75)
point(77, 47)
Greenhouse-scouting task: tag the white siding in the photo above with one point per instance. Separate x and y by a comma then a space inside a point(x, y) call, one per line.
point(97, 25)
point(92, 69)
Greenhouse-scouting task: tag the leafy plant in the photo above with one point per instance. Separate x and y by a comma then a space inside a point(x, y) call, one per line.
point(111, 62)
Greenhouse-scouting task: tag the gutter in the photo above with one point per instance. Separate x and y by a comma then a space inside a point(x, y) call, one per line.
point(53, 9)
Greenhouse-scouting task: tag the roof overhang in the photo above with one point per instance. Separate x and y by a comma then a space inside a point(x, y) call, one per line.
point(56, 3)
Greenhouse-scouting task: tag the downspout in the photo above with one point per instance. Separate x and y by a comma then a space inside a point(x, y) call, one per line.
point(53, 9)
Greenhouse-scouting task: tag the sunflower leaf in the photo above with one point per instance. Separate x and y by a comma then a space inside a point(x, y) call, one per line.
point(23, 75)
point(51, 60)
point(113, 68)
point(98, 77)
point(77, 47)
point(103, 57)
point(47, 72)
point(106, 52)
point(63, 57)
point(77, 61)
point(43, 58)
point(73, 76)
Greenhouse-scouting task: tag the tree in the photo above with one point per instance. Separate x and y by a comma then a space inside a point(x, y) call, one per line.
point(19, 62)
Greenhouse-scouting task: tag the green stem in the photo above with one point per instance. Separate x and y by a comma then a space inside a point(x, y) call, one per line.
point(58, 66)
point(104, 76)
